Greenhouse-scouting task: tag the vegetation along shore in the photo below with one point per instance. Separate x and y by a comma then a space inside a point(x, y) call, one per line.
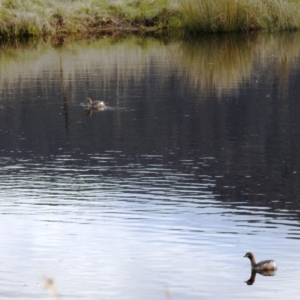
point(25, 18)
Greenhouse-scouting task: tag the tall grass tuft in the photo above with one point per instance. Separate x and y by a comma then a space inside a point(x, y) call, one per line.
point(239, 15)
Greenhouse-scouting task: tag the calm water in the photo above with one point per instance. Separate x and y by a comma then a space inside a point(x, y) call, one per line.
point(194, 162)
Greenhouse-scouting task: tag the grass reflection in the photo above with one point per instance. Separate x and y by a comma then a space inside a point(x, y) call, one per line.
point(222, 63)
point(219, 63)
point(213, 62)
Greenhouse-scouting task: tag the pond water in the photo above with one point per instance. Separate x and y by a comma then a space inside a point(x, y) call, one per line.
point(194, 161)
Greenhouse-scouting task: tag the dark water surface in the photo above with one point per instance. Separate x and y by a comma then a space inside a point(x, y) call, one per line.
point(194, 162)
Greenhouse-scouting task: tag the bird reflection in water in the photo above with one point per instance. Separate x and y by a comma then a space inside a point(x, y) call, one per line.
point(90, 111)
point(251, 280)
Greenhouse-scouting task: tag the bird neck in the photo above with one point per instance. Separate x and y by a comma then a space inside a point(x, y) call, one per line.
point(253, 262)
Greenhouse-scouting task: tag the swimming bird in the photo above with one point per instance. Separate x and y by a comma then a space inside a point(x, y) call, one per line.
point(95, 104)
point(263, 265)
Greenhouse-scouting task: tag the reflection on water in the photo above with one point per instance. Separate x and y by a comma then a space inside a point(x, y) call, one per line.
point(251, 280)
point(90, 111)
point(194, 162)
point(227, 63)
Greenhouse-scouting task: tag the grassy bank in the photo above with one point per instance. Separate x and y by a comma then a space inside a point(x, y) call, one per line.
point(23, 18)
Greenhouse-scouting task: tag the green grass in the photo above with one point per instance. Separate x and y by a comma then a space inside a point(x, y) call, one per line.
point(24, 18)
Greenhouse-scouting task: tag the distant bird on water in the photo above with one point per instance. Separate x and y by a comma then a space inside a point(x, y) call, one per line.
point(95, 104)
point(263, 265)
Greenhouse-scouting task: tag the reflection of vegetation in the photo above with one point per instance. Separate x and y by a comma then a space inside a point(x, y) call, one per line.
point(223, 62)
point(131, 55)
point(218, 62)
point(25, 18)
point(213, 62)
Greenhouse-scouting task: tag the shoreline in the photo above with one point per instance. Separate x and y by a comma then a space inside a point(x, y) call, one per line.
point(55, 19)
